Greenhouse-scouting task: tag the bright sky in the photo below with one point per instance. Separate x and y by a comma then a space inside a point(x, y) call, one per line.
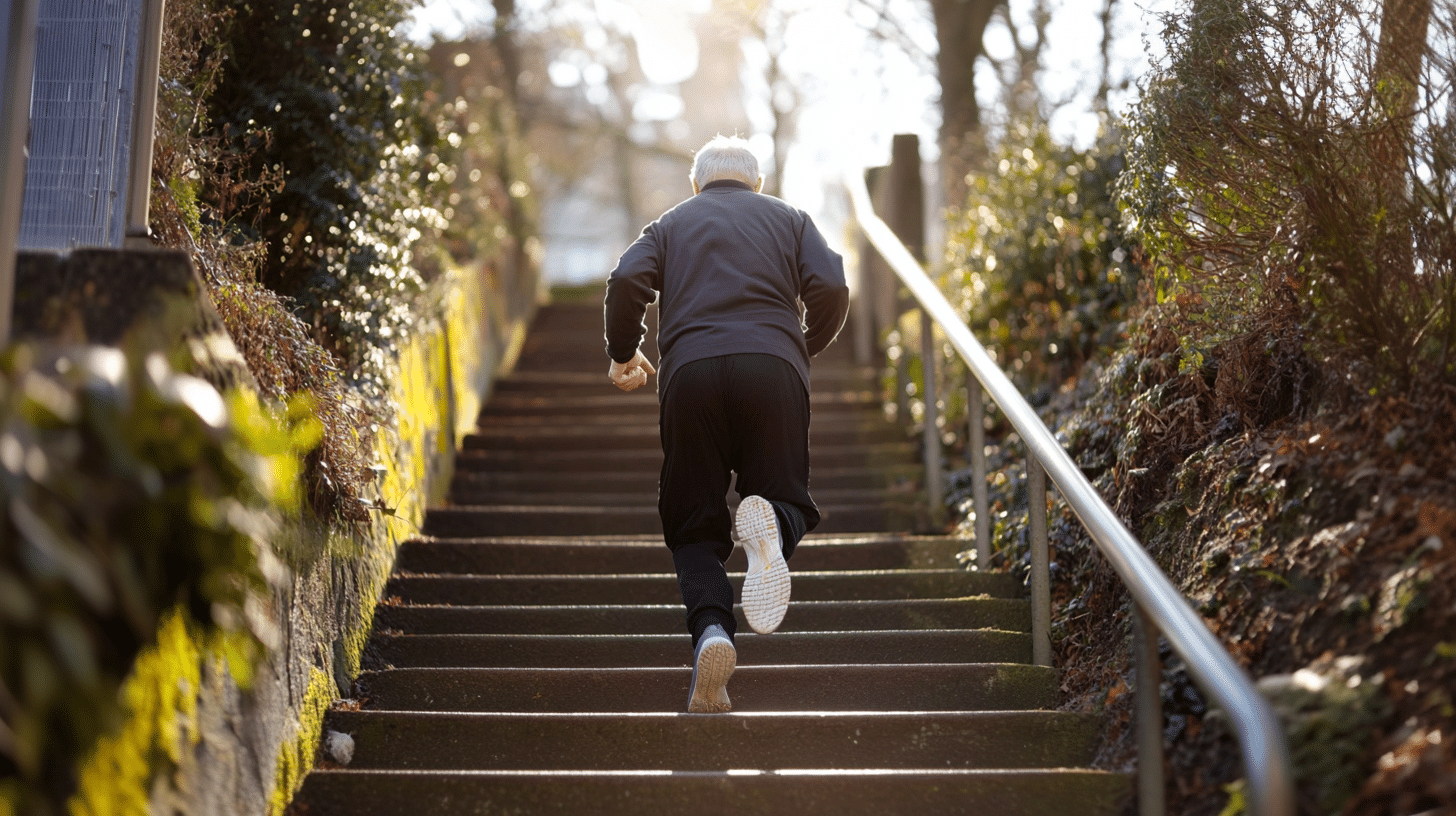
point(855, 92)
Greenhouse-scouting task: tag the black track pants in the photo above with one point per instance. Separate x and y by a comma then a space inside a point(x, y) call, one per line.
point(743, 413)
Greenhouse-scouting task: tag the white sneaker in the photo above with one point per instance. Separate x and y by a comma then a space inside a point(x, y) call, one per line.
point(712, 666)
point(766, 587)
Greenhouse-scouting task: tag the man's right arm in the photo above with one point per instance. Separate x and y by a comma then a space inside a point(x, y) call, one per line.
point(632, 285)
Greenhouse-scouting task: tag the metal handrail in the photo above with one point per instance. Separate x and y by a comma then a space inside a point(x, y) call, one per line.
point(1162, 608)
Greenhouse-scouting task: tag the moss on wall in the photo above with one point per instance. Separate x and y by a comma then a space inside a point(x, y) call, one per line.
point(436, 403)
point(296, 756)
point(160, 704)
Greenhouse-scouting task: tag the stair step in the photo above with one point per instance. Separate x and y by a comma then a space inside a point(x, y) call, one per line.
point(642, 401)
point(826, 417)
point(829, 497)
point(598, 520)
point(556, 379)
point(804, 616)
point(614, 461)
point(1046, 792)
point(677, 742)
point(662, 588)
point(491, 556)
point(624, 651)
point(641, 436)
point(891, 479)
point(828, 687)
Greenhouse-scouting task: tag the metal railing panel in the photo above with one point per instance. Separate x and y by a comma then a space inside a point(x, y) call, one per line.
point(1268, 777)
point(82, 104)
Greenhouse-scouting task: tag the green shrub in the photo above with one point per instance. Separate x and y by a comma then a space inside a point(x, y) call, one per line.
point(1290, 166)
point(1037, 264)
point(330, 96)
point(281, 353)
point(128, 490)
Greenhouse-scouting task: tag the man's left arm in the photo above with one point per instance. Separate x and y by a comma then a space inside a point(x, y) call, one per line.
point(821, 288)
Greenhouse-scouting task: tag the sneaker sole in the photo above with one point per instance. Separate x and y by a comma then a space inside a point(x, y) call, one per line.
point(766, 586)
point(715, 665)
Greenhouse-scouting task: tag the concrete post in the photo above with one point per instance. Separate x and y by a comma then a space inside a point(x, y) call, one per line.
point(144, 126)
point(871, 319)
point(17, 61)
point(906, 217)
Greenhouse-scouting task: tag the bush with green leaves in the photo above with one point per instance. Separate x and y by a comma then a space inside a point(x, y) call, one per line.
point(1037, 264)
point(129, 490)
point(331, 97)
point(1292, 169)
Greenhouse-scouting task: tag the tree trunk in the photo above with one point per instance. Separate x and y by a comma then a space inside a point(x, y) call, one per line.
point(959, 26)
point(1404, 26)
point(505, 47)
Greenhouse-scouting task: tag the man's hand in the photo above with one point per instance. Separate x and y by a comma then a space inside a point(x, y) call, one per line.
point(631, 375)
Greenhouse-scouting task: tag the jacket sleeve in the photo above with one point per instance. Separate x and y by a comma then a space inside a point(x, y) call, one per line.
point(821, 288)
point(633, 284)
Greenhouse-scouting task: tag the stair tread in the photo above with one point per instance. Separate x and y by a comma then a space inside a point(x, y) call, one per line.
point(789, 687)
point(458, 650)
point(530, 741)
point(938, 613)
point(849, 792)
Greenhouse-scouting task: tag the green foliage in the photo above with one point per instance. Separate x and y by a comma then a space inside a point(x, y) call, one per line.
point(129, 490)
point(330, 97)
point(1288, 165)
point(281, 353)
point(1038, 264)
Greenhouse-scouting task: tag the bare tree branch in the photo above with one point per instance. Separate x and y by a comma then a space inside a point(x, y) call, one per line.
point(889, 30)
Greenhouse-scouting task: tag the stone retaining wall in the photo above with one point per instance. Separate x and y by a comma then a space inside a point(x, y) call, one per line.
point(227, 750)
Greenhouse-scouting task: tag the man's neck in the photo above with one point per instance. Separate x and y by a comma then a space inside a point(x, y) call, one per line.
point(733, 183)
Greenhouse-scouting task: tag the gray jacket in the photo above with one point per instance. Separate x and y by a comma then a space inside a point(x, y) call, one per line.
point(732, 268)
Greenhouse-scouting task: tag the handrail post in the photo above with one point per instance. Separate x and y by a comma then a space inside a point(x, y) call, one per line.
point(1041, 594)
point(1148, 700)
point(144, 126)
point(934, 487)
point(17, 62)
point(977, 445)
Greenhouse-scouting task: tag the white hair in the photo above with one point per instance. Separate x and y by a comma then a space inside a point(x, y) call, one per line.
point(724, 157)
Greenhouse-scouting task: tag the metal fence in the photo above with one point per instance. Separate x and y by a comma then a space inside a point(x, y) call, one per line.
point(83, 105)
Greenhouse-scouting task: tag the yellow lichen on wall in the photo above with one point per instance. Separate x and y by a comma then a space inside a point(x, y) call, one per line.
point(296, 755)
point(160, 705)
point(436, 402)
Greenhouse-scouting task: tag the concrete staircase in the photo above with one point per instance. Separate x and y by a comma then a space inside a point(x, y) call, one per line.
point(530, 655)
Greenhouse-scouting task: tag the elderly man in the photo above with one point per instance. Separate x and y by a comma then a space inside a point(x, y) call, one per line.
point(748, 291)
